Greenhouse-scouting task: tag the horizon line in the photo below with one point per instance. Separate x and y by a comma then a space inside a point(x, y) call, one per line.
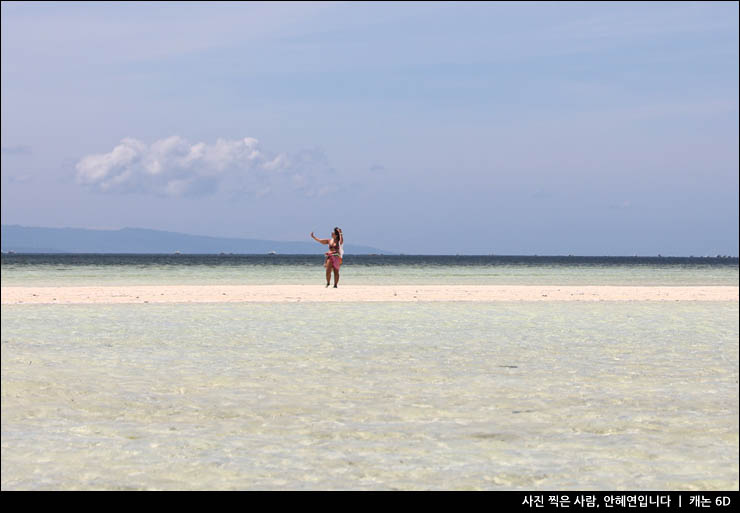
point(180, 253)
point(383, 252)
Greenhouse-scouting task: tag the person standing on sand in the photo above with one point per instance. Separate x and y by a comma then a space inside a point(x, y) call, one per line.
point(334, 255)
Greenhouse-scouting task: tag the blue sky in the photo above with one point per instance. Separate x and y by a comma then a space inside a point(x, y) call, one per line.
point(440, 127)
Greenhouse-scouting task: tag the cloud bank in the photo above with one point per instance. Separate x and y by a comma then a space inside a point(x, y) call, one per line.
point(174, 167)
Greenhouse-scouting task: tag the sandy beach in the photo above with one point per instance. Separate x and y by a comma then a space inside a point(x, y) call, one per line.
point(357, 293)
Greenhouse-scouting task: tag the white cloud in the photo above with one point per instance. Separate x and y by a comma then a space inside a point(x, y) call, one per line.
point(175, 167)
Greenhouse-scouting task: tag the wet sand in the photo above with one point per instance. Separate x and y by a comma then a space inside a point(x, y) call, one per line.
point(358, 293)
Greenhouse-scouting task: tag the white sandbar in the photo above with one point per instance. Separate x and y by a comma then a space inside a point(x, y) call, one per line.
point(358, 293)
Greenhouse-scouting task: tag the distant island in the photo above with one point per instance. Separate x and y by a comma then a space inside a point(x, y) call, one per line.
point(22, 239)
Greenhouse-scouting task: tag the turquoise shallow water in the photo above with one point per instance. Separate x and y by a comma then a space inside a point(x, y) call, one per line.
point(531, 396)
point(61, 270)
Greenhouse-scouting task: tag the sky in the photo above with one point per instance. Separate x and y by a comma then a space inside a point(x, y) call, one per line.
point(508, 128)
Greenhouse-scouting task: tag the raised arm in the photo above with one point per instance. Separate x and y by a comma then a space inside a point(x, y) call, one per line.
point(322, 241)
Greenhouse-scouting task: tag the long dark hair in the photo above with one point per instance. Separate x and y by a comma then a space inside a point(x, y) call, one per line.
point(336, 234)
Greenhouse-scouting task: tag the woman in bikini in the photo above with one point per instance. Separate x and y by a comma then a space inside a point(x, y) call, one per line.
point(334, 255)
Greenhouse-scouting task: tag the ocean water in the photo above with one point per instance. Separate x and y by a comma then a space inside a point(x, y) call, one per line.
point(370, 396)
point(42, 270)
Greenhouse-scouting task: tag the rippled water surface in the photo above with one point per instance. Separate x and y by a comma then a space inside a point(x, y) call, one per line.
point(370, 396)
point(43, 270)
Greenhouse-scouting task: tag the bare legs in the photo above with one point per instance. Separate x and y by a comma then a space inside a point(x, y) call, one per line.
point(329, 269)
